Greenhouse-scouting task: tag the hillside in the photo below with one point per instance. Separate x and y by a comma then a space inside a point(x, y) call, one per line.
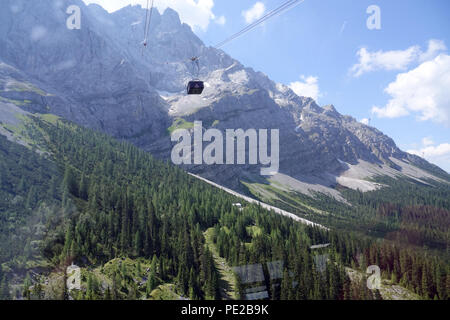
point(145, 212)
point(112, 87)
point(150, 217)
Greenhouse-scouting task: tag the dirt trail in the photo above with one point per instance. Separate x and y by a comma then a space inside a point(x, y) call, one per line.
point(227, 280)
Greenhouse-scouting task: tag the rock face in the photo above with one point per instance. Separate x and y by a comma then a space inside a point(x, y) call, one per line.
point(100, 77)
point(83, 68)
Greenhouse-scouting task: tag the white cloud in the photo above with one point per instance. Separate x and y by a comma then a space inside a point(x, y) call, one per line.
point(197, 13)
point(365, 121)
point(435, 47)
point(221, 20)
point(380, 60)
point(437, 154)
point(423, 91)
point(395, 60)
point(254, 13)
point(437, 151)
point(309, 87)
point(427, 141)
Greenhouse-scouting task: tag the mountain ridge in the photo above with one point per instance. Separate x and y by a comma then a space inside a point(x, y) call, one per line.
point(99, 78)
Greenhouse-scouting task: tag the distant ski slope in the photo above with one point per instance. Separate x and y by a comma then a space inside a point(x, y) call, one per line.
point(262, 204)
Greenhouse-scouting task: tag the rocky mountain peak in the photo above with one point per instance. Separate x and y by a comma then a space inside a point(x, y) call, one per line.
point(171, 17)
point(101, 77)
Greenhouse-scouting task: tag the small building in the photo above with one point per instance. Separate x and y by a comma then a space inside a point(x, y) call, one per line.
point(320, 246)
point(321, 255)
point(239, 206)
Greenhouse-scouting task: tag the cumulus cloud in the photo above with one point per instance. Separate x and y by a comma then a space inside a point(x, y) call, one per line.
point(254, 13)
point(221, 20)
point(308, 87)
point(383, 60)
point(437, 154)
point(427, 141)
point(365, 121)
point(197, 13)
point(395, 60)
point(435, 47)
point(423, 91)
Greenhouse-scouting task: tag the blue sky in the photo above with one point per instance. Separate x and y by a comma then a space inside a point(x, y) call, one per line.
point(398, 76)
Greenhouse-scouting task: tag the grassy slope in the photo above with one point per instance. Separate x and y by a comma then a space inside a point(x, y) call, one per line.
point(227, 278)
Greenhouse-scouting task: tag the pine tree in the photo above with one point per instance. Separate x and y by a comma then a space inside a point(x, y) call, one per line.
point(151, 282)
point(90, 288)
point(137, 244)
point(69, 181)
point(239, 287)
point(84, 188)
point(26, 287)
point(425, 282)
point(5, 289)
point(286, 284)
point(139, 268)
point(115, 295)
point(440, 282)
point(37, 291)
point(108, 294)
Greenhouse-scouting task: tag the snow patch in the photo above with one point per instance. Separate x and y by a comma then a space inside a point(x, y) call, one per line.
point(240, 77)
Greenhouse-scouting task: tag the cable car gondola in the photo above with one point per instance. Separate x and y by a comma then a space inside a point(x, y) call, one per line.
point(195, 87)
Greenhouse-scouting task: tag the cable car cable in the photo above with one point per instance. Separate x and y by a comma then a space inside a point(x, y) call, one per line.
point(148, 20)
point(288, 5)
point(281, 9)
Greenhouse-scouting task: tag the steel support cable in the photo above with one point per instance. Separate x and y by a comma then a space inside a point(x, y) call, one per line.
point(146, 21)
point(283, 8)
point(288, 5)
point(253, 25)
point(150, 18)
